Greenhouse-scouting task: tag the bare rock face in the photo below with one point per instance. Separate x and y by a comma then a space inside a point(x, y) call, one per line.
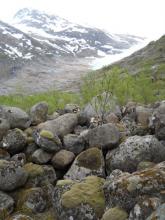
point(38, 113)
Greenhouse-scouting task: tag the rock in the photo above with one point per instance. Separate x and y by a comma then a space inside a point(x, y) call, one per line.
point(83, 200)
point(71, 108)
point(158, 214)
point(14, 141)
point(6, 205)
point(19, 216)
point(157, 121)
point(20, 159)
point(134, 150)
point(87, 163)
point(4, 127)
point(144, 208)
point(4, 155)
point(16, 117)
point(115, 213)
point(31, 200)
point(38, 113)
point(50, 174)
point(145, 164)
point(29, 150)
point(142, 115)
point(41, 157)
point(74, 143)
point(62, 125)
point(128, 189)
point(47, 141)
point(62, 159)
point(111, 118)
point(105, 136)
point(12, 175)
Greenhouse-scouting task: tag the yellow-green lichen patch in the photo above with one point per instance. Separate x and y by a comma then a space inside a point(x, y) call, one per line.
point(64, 182)
point(46, 134)
point(34, 170)
point(88, 192)
point(91, 159)
point(115, 213)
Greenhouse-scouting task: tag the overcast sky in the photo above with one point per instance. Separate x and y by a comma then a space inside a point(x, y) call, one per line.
point(139, 17)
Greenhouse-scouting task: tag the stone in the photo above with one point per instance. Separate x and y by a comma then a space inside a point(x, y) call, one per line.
point(80, 200)
point(74, 143)
point(111, 118)
point(4, 127)
point(62, 159)
point(41, 157)
point(134, 150)
point(115, 213)
point(16, 117)
point(38, 113)
point(47, 141)
point(105, 136)
point(19, 216)
point(4, 155)
point(145, 164)
point(20, 159)
point(29, 150)
point(128, 189)
point(71, 108)
point(12, 176)
point(14, 141)
point(6, 205)
point(87, 163)
point(158, 214)
point(142, 115)
point(62, 125)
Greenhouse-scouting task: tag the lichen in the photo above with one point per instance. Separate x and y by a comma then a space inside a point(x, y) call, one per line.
point(34, 170)
point(46, 134)
point(88, 192)
point(115, 213)
point(90, 159)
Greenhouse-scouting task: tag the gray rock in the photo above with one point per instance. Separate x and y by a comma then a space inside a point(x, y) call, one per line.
point(62, 159)
point(41, 157)
point(29, 150)
point(134, 150)
point(105, 136)
point(4, 127)
point(16, 117)
point(87, 163)
point(74, 143)
point(19, 216)
point(14, 141)
point(159, 214)
point(142, 115)
point(38, 113)
point(62, 125)
point(6, 204)
point(111, 118)
point(71, 108)
point(20, 159)
point(12, 175)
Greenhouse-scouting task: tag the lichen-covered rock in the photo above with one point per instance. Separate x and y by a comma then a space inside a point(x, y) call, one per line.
point(159, 214)
point(4, 127)
point(134, 150)
point(6, 205)
point(144, 208)
point(115, 213)
point(145, 164)
point(74, 143)
point(128, 189)
point(14, 141)
point(62, 159)
point(31, 200)
point(62, 125)
point(20, 216)
point(105, 136)
point(4, 155)
point(47, 141)
point(80, 200)
point(20, 159)
point(89, 162)
point(41, 157)
point(12, 175)
point(38, 113)
point(16, 117)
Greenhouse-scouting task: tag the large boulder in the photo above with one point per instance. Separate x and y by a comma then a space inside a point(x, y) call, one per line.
point(16, 117)
point(80, 200)
point(14, 141)
point(89, 162)
point(134, 150)
point(12, 176)
point(105, 136)
point(62, 125)
point(38, 113)
point(128, 189)
point(4, 127)
point(6, 205)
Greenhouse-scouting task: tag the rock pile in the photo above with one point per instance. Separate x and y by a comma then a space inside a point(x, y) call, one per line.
point(65, 166)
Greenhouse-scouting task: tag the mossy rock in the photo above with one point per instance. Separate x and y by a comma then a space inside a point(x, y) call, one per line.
point(89, 191)
point(47, 134)
point(115, 213)
point(145, 164)
point(34, 170)
point(90, 159)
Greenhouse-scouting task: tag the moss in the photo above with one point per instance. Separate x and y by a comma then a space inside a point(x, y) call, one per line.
point(64, 182)
point(145, 164)
point(90, 159)
point(34, 170)
point(87, 192)
point(115, 213)
point(47, 134)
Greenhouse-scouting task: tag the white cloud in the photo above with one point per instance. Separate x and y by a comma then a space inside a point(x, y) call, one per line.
point(140, 17)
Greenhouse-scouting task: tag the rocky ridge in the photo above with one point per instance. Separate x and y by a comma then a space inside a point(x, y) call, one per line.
point(76, 164)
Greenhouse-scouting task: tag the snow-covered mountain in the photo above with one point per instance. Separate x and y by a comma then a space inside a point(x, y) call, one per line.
point(68, 39)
